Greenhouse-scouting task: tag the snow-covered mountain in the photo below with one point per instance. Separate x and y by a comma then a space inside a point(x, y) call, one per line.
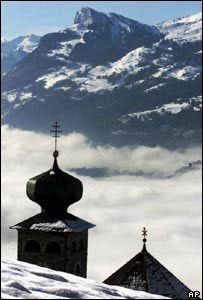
point(114, 79)
point(25, 281)
point(183, 30)
point(14, 50)
point(3, 40)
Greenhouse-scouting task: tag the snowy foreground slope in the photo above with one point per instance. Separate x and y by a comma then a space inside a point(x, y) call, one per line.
point(25, 281)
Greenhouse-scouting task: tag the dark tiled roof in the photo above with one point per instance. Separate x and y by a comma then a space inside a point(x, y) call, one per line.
point(144, 272)
point(44, 222)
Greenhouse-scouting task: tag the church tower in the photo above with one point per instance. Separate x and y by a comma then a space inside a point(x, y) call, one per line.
point(54, 238)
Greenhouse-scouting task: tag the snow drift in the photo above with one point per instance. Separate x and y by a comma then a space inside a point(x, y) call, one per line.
point(25, 281)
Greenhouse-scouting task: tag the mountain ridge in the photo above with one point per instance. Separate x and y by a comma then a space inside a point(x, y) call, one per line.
point(160, 80)
point(181, 34)
point(16, 49)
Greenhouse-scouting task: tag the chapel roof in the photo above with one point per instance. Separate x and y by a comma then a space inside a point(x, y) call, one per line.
point(144, 272)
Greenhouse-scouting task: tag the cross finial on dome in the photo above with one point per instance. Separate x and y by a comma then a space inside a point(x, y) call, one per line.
point(56, 131)
point(144, 233)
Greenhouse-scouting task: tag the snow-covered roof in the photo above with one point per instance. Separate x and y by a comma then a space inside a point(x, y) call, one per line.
point(144, 272)
point(44, 222)
point(21, 280)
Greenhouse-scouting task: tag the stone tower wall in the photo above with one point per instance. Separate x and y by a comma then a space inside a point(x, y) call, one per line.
point(71, 259)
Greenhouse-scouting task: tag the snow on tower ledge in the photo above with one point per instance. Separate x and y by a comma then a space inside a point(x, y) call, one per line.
point(44, 222)
point(26, 281)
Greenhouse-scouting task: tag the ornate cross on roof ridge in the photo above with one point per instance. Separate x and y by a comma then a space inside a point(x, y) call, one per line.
point(56, 131)
point(144, 233)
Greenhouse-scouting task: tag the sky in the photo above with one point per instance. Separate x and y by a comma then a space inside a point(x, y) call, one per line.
point(40, 17)
point(119, 206)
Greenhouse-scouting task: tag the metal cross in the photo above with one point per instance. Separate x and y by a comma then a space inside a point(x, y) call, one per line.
point(56, 131)
point(144, 233)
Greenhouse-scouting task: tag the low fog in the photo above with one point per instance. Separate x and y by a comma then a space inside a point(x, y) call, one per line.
point(120, 206)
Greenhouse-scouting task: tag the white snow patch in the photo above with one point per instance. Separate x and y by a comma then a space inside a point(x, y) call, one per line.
point(27, 45)
point(180, 73)
point(130, 61)
point(64, 88)
point(11, 96)
point(65, 47)
point(52, 79)
point(96, 84)
point(185, 73)
point(155, 87)
point(197, 99)
point(63, 225)
point(22, 280)
point(196, 108)
point(160, 72)
point(136, 83)
point(173, 108)
point(16, 105)
point(3, 40)
point(66, 72)
point(25, 96)
point(185, 29)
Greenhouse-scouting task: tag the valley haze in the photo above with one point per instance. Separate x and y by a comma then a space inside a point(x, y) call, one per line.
point(119, 205)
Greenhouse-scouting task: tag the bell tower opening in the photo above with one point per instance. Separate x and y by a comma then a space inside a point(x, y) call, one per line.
point(53, 248)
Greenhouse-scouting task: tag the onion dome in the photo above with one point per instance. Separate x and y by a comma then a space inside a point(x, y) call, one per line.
point(54, 190)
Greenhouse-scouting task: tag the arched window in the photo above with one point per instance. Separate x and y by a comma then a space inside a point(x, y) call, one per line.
point(32, 246)
point(78, 270)
point(82, 245)
point(73, 247)
point(53, 248)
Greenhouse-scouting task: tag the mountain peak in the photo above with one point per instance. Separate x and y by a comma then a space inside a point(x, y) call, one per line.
point(87, 16)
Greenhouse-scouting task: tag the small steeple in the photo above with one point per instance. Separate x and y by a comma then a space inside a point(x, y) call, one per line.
point(144, 234)
point(145, 273)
